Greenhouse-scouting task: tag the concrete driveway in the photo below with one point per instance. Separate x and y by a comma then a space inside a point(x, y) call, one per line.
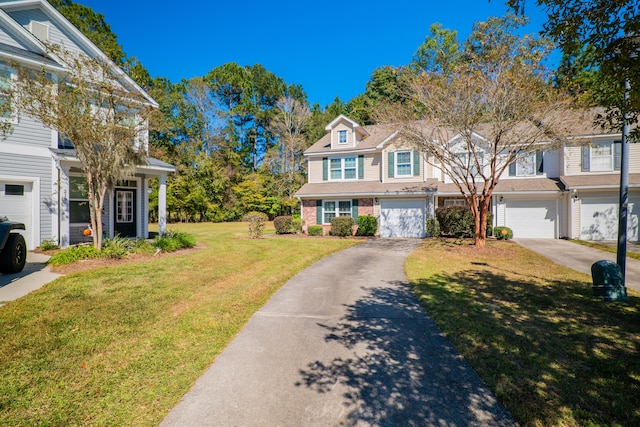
point(343, 343)
point(35, 275)
point(579, 257)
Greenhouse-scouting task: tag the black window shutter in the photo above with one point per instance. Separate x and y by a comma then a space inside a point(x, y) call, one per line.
point(539, 163)
point(325, 168)
point(319, 212)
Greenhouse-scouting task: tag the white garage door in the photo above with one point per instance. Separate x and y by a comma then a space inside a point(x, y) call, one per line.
point(531, 218)
point(403, 218)
point(16, 203)
point(599, 219)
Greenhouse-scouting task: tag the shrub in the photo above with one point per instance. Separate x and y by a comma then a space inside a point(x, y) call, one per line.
point(256, 222)
point(489, 231)
point(172, 241)
point(116, 247)
point(283, 224)
point(455, 221)
point(367, 225)
point(315, 230)
point(503, 233)
point(74, 253)
point(341, 226)
point(433, 227)
point(297, 223)
point(48, 245)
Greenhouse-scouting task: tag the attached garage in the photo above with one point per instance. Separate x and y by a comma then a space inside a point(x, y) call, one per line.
point(403, 218)
point(17, 204)
point(599, 218)
point(531, 218)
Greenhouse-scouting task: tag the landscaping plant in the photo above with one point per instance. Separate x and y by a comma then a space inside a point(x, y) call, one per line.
point(341, 226)
point(257, 221)
point(367, 225)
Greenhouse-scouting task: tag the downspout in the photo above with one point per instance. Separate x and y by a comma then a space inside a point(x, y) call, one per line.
point(59, 208)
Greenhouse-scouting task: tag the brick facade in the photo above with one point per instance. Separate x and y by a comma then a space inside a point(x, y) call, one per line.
point(365, 207)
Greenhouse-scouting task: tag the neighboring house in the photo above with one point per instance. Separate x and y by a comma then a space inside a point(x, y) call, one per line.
point(41, 183)
point(569, 192)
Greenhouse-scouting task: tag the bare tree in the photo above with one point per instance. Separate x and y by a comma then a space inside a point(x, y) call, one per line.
point(285, 159)
point(490, 110)
point(96, 108)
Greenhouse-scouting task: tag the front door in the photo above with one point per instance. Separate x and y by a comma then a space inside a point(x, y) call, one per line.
point(125, 212)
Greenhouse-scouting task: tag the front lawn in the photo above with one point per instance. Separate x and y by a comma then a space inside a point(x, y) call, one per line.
point(553, 354)
point(120, 345)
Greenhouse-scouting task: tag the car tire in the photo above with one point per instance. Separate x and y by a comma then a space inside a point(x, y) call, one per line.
point(14, 255)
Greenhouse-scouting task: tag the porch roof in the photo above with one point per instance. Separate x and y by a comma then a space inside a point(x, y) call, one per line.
point(153, 166)
point(610, 180)
point(366, 188)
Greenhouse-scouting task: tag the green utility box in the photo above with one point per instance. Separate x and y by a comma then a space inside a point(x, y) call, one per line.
point(608, 281)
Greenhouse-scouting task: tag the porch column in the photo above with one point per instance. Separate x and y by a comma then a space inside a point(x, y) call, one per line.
point(63, 208)
point(162, 204)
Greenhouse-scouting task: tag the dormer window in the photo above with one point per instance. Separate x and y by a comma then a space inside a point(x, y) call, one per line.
point(342, 137)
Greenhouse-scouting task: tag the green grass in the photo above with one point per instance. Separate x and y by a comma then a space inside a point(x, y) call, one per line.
point(553, 354)
point(592, 244)
point(120, 345)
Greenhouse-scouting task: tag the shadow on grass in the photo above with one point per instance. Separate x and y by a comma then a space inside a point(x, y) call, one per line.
point(553, 354)
point(401, 370)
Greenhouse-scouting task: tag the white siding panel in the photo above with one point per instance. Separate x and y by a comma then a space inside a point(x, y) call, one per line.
point(7, 39)
point(29, 167)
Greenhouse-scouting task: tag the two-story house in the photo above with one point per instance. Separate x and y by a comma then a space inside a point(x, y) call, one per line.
point(41, 183)
point(567, 192)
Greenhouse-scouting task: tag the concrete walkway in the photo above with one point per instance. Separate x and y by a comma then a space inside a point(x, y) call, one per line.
point(343, 343)
point(580, 257)
point(35, 275)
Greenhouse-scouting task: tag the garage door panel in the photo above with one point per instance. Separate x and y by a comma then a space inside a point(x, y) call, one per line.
point(531, 218)
point(599, 219)
point(402, 218)
point(16, 201)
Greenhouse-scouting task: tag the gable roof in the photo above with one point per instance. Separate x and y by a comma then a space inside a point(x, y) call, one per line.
point(79, 38)
point(377, 134)
point(355, 125)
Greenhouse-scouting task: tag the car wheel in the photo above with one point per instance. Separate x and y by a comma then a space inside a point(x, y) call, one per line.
point(14, 255)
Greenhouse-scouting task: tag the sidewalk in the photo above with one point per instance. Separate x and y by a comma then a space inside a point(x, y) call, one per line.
point(580, 257)
point(35, 275)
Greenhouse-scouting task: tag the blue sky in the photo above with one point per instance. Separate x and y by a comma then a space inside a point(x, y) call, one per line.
point(330, 47)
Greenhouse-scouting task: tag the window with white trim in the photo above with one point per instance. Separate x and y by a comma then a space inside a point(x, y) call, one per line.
point(455, 202)
point(403, 163)
point(526, 165)
point(6, 82)
point(342, 168)
point(465, 164)
point(78, 200)
point(342, 137)
point(334, 208)
point(601, 156)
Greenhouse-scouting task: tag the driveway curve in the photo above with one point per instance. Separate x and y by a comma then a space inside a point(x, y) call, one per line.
point(343, 343)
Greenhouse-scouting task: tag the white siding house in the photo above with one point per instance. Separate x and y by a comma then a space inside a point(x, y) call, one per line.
point(39, 176)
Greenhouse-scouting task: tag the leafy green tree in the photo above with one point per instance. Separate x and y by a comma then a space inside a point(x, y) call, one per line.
point(601, 47)
point(440, 51)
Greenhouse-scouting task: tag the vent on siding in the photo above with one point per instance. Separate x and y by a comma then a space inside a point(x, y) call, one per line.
point(40, 30)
